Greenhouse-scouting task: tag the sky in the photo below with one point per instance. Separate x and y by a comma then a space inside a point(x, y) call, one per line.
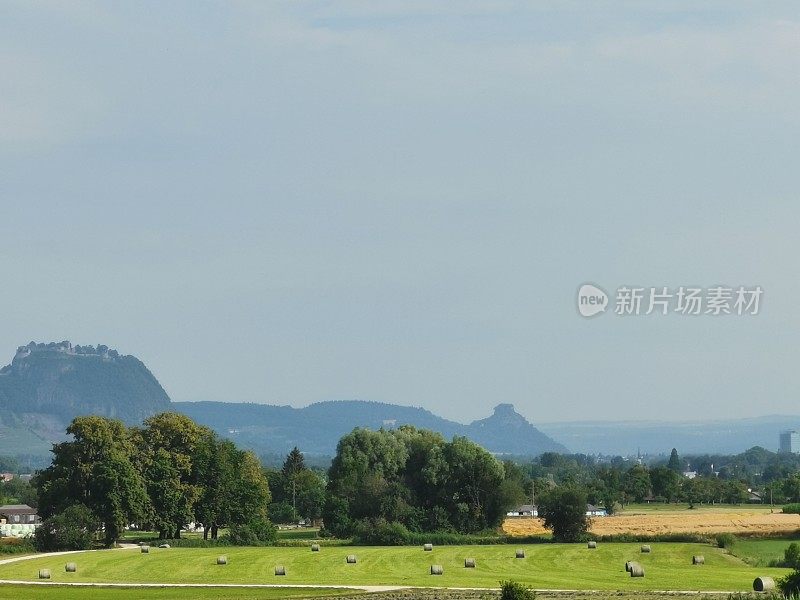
point(290, 202)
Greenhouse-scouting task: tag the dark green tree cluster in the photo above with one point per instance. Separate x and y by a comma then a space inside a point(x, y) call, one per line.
point(166, 474)
point(414, 480)
point(618, 481)
point(563, 510)
point(298, 492)
point(17, 491)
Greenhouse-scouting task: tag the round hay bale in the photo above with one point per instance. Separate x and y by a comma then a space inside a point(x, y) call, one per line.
point(645, 549)
point(71, 568)
point(145, 549)
point(222, 560)
point(629, 564)
point(143, 543)
point(591, 545)
point(44, 573)
point(351, 559)
point(698, 560)
point(469, 563)
point(315, 547)
point(428, 547)
point(763, 584)
point(437, 570)
point(520, 553)
point(166, 546)
point(637, 570)
point(280, 571)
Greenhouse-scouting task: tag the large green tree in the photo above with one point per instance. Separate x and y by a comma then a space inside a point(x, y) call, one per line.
point(674, 463)
point(234, 490)
point(636, 483)
point(666, 483)
point(563, 510)
point(95, 469)
point(473, 480)
point(415, 478)
point(169, 446)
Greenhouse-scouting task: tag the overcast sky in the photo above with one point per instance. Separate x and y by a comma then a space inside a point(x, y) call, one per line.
point(288, 202)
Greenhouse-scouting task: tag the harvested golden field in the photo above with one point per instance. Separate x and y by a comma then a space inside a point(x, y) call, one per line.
point(740, 521)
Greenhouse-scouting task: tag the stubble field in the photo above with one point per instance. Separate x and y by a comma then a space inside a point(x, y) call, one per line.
point(664, 520)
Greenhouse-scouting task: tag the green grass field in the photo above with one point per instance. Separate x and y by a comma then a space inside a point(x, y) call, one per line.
point(551, 566)
point(759, 552)
point(657, 507)
point(30, 592)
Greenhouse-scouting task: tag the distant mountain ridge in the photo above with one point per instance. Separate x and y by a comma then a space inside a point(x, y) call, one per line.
point(47, 385)
point(318, 427)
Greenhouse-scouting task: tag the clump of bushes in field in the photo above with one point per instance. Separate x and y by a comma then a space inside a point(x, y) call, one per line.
point(16, 546)
point(792, 509)
point(513, 590)
point(790, 585)
point(257, 532)
point(380, 532)
point(726, 540)
point(72, 529)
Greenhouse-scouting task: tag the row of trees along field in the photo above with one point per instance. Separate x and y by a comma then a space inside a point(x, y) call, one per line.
point(719, 479)
point(382, 486)
point(161, 476)
point(171, 472)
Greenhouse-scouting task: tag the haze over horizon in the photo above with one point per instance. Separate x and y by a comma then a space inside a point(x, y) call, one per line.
point(295, 202)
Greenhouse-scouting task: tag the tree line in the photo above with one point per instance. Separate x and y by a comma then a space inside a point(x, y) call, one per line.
point(161, 476)
point(382, 486)
point(615, 482)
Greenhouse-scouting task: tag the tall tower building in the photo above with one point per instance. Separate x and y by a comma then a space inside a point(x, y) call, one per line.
point(789, 442)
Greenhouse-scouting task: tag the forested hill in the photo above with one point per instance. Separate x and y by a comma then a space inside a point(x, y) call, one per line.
point(47, 385)
point(318, 427)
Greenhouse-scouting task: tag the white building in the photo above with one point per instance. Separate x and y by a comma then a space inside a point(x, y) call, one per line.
point(789, 442)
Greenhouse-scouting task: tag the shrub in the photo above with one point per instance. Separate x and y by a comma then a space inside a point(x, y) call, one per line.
point(513, 590)
point(258, 532)
point(72, 529)
point(792, 509)
point(790, 585)
point(791, 556)
point(726, 540)
point(379, 532)
point(16, 546)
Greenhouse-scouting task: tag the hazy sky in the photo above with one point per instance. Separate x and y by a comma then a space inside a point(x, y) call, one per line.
point(288, 202)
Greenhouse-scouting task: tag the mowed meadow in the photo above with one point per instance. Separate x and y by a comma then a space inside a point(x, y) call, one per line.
point(545, 566)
